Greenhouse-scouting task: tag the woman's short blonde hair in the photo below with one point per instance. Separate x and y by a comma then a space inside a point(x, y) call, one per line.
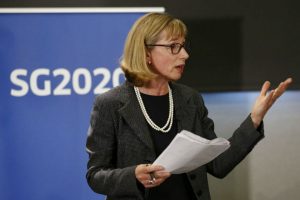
point(146, 30)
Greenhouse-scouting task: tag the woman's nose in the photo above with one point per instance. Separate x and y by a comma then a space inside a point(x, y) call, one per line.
point(184, 54)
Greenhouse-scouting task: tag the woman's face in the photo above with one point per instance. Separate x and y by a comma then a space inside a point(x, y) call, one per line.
point(167, 65)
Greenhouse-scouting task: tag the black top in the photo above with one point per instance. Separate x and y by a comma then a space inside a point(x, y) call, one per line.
point(176, 186)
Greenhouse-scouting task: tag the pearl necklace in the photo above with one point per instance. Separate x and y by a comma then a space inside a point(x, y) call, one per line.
point(166, 128)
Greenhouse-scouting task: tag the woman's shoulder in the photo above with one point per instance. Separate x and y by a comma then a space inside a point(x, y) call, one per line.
point(184, 89)
point(115, 95)
point(187, 94)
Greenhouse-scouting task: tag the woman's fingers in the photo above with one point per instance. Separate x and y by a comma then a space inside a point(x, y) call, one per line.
point(282, 87)
point(156, 182)
point(265, 88)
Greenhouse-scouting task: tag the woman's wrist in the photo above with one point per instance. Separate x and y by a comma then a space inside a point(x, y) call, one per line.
point(255, 120)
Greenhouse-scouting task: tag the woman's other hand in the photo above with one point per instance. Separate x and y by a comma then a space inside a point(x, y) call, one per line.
point(265, 100)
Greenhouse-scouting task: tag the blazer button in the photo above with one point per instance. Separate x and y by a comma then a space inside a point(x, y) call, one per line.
point(193, 176)
point(199, 192)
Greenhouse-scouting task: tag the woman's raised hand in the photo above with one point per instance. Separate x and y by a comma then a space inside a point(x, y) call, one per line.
point(265, 100)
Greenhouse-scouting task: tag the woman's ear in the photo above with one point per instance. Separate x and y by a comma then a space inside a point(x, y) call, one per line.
point(148, 57)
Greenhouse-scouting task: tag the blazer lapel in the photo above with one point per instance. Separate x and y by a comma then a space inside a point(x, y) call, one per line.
point(134, 117)
point(185, 114)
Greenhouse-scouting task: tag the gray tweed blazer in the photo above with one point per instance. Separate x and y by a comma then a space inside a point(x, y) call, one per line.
point(119, 139)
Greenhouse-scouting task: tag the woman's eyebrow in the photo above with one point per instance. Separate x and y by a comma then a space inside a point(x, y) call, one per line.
point(175, 40)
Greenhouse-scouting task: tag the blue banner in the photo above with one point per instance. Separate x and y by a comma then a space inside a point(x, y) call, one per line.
point(51, 67)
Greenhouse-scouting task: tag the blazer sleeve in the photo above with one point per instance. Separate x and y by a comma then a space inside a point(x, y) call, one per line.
point(102, 174)
point(243, 140)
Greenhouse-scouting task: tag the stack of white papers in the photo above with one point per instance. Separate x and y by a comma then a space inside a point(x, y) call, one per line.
point(188, 151)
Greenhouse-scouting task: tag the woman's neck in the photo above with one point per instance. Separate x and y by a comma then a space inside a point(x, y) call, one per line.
point(155, 88)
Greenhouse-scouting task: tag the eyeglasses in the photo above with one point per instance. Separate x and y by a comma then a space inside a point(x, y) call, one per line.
point(175, 47)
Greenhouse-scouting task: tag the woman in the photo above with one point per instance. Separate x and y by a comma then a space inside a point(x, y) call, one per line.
point(133, 123)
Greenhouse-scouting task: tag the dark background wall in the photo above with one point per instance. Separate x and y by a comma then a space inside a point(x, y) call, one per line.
point(235, 45)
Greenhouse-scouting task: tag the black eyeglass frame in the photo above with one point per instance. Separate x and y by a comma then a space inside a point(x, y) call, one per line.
point(172, 46)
